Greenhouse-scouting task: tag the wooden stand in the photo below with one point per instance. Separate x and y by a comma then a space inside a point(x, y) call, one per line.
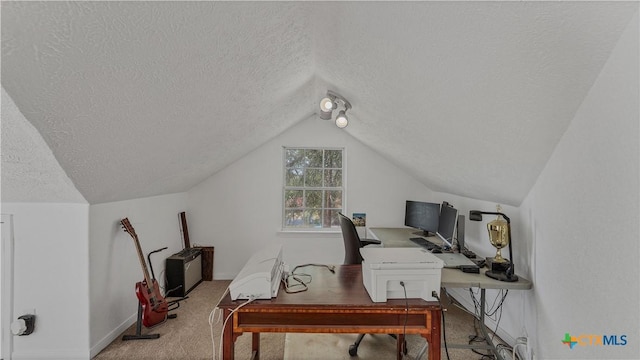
point(207, 262)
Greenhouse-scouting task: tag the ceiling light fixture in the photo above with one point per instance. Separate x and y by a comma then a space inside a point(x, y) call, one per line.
point(330, 103)
point(341, 120)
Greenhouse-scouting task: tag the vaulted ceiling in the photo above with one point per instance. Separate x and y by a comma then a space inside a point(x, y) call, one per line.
point(138, 99)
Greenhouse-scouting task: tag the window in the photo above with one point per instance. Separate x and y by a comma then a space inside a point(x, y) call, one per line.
point(313, 187)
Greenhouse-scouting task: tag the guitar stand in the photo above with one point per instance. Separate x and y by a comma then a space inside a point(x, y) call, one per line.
point(175, 302)
point(138, 335)
point(153, 276)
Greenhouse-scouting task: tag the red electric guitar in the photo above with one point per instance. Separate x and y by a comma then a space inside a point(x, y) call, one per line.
point(154, 306)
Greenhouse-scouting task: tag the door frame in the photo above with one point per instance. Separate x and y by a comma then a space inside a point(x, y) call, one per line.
point(6, 284)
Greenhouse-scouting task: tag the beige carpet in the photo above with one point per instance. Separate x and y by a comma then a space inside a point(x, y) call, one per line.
point(188, 337)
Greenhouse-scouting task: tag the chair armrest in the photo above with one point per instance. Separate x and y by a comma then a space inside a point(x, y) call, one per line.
point(365, 242)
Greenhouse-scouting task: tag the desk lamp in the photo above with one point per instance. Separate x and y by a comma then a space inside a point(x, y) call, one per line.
point(500, 236)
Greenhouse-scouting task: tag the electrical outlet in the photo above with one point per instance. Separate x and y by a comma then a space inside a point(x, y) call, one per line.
point(523, 348)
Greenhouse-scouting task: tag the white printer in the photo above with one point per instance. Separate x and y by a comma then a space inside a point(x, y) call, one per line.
point(261, 275)
point(384, 268)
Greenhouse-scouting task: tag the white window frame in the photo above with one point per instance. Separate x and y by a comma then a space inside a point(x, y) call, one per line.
point(343, 188)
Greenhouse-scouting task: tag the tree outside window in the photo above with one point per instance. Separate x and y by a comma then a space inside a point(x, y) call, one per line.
point(313, 187)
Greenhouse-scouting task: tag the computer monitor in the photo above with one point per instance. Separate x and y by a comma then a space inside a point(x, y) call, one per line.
point(447, 224)
point(423, 216)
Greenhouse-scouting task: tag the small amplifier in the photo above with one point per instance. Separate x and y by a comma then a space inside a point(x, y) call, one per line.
point(184, 272)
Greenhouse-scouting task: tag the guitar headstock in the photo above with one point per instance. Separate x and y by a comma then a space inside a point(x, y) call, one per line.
point(126, 225)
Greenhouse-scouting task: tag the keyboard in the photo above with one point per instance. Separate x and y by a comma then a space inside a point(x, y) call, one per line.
point(431, 247)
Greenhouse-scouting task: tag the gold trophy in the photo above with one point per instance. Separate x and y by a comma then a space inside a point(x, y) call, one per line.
point(499, 236)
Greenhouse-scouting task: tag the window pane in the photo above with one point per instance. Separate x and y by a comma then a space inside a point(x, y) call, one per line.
point(314, 158)
point(293, 199)
point(313, 178)
point(313, 217)
point(314, 199)
point(333, 199)
point(294, 218)
point(333, 158)
point(331, 218)
point(294, 177)
point(332, 178)
point(295, 158)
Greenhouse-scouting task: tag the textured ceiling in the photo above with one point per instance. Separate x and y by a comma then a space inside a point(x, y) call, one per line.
point(26, 159)
point(145, 98)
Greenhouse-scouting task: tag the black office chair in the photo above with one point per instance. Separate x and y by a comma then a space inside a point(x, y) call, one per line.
point(352, 241)
point(352, 245)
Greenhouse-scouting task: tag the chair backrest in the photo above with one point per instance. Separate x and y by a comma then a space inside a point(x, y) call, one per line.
point(351, 240)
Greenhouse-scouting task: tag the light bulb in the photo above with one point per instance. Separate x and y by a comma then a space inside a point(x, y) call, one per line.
point(326, 104)
point(341, 120)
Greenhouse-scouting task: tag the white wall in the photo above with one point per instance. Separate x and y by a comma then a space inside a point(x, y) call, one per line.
point(115, 267)
point(238, 210)
point(51, 276)
point(582, 217)
point(50, 225)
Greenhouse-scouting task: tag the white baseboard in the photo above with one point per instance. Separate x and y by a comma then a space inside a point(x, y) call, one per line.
point(50, 354)
point(113, 334)
point(225, 276)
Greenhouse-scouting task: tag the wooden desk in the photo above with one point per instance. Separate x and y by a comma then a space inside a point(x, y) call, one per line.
point(454, 278)
point(334, 303)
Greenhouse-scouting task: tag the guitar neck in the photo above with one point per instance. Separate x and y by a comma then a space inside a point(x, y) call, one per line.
point(126, 224)
point(143, 263)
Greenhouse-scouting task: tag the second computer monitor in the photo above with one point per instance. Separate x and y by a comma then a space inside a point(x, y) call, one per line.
point(447, 224)
point(460, 232)
point(422, 215)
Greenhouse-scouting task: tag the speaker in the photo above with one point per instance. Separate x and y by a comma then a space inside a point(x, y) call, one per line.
point(184, 272)
point(460, 235)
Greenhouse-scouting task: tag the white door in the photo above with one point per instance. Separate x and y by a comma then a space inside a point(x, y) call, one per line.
point(6, 276)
